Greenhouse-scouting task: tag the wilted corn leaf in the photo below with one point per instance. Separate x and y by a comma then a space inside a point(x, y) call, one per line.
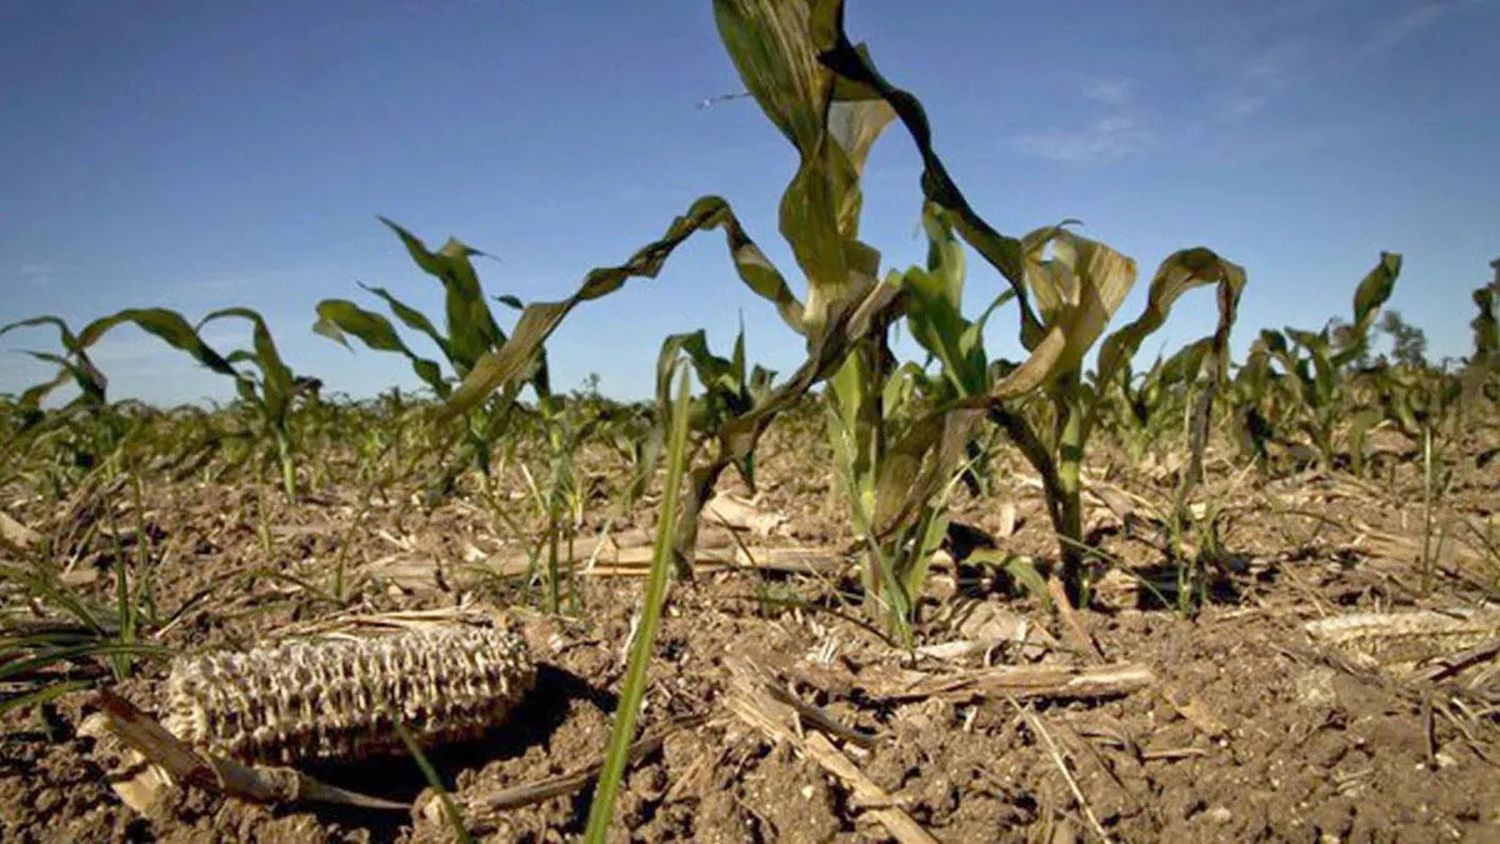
point(65, 335)
point(1077, 290)
point(336, 317)
point(74, 364)
point(165, 324)
point(270, 395)
point(276, 381)
point(418, 321)
point(472, 331)
point(1373, 290)
point(1179, 273)
point(775, 47)
point(1006, 254)
point(507, 364)
point(89, 380)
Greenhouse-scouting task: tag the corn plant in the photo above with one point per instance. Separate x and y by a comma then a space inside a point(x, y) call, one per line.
point(775, 48)
point(825, 96)
point(470, 333)
point(1076, 291)
point(73, 364)
point(1141, 406)
point(566, 423)
point(780, 51)
point(871, 403)
point(267, 386)
point(81, 434)
point(633, 435)
point(1315, 369)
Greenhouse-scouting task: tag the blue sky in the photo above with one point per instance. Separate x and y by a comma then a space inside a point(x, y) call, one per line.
point(196, 155)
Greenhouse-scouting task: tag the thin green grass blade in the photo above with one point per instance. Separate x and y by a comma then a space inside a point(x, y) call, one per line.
point(450, 809)
point(28, 665)
point(42, 696)
point(633, 690)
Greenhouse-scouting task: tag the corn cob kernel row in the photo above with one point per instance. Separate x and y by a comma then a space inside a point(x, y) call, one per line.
point(339, 699)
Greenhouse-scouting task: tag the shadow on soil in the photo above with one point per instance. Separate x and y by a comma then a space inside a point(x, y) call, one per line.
point(399, 779)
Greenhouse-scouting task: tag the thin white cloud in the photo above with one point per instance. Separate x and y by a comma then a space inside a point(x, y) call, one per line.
point(32, 273)
point(1392, 32)
point(1110, 92)
point(1257, 80)
point(1117, 131)
point(1243, 105)
point(1105, 139)
point(1276, 64)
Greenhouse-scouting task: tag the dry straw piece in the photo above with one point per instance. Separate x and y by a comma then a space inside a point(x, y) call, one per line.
point(339, 698)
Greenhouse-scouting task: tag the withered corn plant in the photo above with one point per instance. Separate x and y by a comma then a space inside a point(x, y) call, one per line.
point(1076, 289)
point(1143, 407)
point(775, 47)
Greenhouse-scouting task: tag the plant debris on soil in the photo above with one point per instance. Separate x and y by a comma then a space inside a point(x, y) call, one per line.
point(775, 711)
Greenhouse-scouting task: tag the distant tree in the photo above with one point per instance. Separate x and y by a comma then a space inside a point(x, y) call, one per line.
point(1408, 342)
point(1485, 325)
point(1342, 335)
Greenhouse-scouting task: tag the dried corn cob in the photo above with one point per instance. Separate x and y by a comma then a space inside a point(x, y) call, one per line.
point(1403, 639)
point(338, 699)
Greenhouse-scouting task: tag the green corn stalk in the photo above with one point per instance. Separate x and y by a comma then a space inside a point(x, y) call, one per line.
point(471, 332)
point(566, 424)
point(730, 396)
point(271, 394)
point(633, 435)
point(870, 404)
